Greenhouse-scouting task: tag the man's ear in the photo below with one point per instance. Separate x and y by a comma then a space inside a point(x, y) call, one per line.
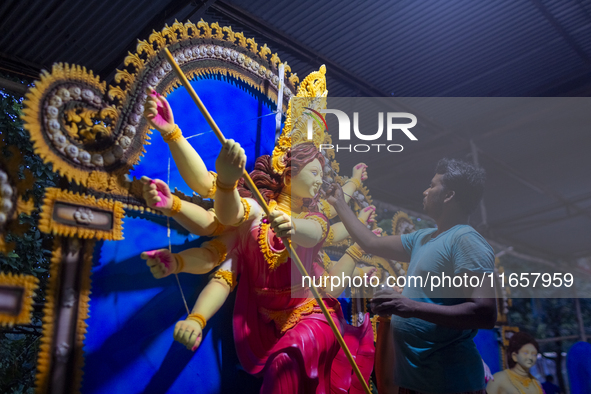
point(287, 179)
point(449, 195)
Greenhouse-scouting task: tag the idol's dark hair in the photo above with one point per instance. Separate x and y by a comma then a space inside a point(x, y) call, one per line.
point(465, 179)
point(270, 183)
point(517, 341)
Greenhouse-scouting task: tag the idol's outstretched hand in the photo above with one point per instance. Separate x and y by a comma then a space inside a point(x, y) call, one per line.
point(368, 215)
point(367, 270)
point(360, 172)
point(157, 194)
point(230, 163)
point(188, 333)
point(281, 223)
point(161, 262)
point(158, 112)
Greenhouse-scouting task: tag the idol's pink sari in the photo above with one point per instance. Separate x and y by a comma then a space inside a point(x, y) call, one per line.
point(296, 352)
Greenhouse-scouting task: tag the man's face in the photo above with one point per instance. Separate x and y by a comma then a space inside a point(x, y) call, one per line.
point(526, 357)
point(433, 197)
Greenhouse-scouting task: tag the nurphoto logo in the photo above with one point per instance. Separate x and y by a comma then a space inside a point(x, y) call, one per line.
point(392, 125)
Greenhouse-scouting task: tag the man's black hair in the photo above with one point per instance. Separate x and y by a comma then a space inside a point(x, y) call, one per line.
point(465, 179)
point(549, 378)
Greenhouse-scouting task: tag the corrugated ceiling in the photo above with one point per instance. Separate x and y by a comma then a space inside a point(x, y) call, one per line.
point(404, 48)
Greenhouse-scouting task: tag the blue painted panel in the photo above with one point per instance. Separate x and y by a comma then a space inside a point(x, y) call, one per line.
point(129, 346)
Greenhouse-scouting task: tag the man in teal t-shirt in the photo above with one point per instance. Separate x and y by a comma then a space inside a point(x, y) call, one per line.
point(433, 326)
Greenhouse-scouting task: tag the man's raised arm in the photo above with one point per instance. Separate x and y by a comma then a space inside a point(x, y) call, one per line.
point(389, 247)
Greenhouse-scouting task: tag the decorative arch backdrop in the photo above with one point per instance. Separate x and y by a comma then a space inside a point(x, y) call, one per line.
point(95, 137)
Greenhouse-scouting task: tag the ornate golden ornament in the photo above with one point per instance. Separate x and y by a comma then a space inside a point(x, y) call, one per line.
point(276, 258)
point(272, 257)
point(72, 124)
point(323, 224)
point(402, 224)
point(228, 276)
point(326, 261)
point(374, 327)
point(17, 292)
point(288, 318)
point(312, 94)
point(329, 241)
point(77, 215)
point(217, 247)
point(324, 208)
point(246, 214)
point(521, 383)
point(85, 128)
point(12, 190)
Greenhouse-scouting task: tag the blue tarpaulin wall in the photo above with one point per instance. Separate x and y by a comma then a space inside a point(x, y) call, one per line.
point(578, 364)
point(129, 346)
point(488, 346)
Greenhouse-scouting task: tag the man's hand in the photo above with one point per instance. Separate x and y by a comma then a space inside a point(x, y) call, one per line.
point(189, 333)
point(161, 262)
point(157, 194)
point(390, 301)
point(360, 172)
point(335, 194)
point(230, 163)
point(281, 223)
point(158, 112)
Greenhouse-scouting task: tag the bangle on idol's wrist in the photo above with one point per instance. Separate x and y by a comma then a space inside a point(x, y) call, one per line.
point(173, 135)
point(224, 187)
point(355, 181)
point(176, 205)
point(198, 317)
point(355, 252)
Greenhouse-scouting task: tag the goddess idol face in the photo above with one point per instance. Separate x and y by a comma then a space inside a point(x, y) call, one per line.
point(307, 183)
point(526, 357)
